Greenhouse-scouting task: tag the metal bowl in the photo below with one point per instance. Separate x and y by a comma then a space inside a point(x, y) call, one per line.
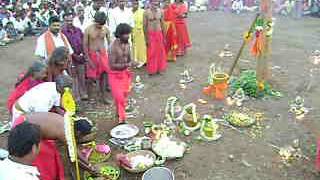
point(158, 173)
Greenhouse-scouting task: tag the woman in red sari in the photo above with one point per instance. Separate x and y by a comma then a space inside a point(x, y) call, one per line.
point(183, 38)
point(35, 75)
point(169, 18)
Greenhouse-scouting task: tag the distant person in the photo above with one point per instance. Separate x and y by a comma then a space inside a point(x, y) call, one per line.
point(171, 36)
point(78, 20)
point(23, 147)
point(154, 34)
point(78, 60)
point(95, 48)
point(138, 40)
point(51, 39)
point(119, 75)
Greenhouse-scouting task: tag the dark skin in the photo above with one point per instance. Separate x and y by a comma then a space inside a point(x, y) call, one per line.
point(55, 28)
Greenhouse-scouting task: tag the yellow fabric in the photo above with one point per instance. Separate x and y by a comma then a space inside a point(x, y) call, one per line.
point(139, 44)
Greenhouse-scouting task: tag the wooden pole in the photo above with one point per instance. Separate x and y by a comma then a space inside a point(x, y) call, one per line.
point(263, 60)
point(235, 62)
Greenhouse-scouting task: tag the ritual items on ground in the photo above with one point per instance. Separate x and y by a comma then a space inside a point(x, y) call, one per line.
point(239, 119)
point(226, 52)
point(218, 84)
point(96, 153)
point(137, 161)
point(138, 85)
point(297, 108)
point(158, 173)
point(209, 129)
point(131, 108)
point(248, 82)
point(124, 131)
point(3, 154)
point(237, 98)
point(186, 76)
point(172, 109)
point(169, 148)
point(4, 127)
point(315, 57)
point(190, 118)
point(106, 172)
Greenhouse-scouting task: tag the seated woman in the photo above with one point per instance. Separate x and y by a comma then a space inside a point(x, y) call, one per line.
point(51, 125)
point(43, 97)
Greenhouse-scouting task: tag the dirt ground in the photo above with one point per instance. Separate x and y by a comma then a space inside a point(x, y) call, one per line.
point(253, 159)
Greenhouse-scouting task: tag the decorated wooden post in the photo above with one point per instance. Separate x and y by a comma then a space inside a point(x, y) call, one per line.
point(262, 46)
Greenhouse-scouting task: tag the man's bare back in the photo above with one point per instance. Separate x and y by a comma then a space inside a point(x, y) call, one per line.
point(95, 38)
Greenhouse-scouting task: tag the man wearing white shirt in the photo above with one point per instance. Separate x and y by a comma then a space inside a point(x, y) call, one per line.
point(41, 98)
point(51, 39)
point(78, 20)
point(119, 15)
point(90, 11)
point(23, 147)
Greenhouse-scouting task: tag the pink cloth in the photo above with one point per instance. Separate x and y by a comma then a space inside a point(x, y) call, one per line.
point(120, 82)
point(48, 161)
point(156, 53)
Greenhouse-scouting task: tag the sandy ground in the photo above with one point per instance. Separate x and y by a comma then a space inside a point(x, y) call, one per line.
point(253, 158)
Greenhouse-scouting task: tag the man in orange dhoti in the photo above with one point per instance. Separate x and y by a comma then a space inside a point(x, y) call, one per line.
point(119, 75)
point(154, 34)
point(96, 53)
point(170, 31)
point(181, 11)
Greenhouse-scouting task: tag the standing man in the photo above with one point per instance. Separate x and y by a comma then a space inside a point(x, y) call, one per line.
point(90, 11)
point(23, 146)
point(75, 37)
point(120, 14)
point(138, 40)
point(78, 20)
point(154, 33)
point(119, 75)
point(95, 38)
point(51, 39)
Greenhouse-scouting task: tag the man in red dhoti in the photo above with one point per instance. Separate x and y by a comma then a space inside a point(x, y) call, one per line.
point(182, 29)
point(154, 34)
point(119, 74)
point(170, 31)
point(95, 49)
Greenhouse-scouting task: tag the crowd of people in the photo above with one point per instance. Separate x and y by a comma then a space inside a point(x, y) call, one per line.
point(90, 48)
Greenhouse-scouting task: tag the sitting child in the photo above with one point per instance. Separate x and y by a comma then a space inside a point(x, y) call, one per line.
point(12, 33)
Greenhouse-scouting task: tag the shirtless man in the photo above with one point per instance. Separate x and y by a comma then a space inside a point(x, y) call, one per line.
point(51, 127)
point(96, 37)
point(154, 33)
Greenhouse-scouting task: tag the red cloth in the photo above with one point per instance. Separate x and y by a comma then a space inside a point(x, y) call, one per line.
point(48, 161)
point(171, 32)
point(156, 53)
point(120, 82)
point(101, 62)
point(23, 87)
point(215, 4)
point(182, 30)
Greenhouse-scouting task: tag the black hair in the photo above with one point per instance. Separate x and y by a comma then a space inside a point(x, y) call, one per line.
point(22, 138)
point(100, 18)
point(122, 29)
point(53, 19)
point(63, 81)
point(58, 56)
point(83, 126)
point(36, 66)
point(68, 12)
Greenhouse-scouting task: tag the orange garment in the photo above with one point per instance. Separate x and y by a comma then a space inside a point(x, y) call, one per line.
point(171, 32)
point(50, 46)
point(183, 38)
point(217, 90)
